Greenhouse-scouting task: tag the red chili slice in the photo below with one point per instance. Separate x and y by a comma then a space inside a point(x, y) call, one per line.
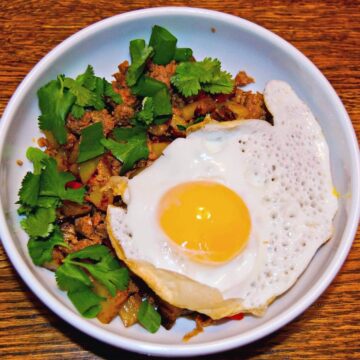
point(73, 185)
point(238, 316)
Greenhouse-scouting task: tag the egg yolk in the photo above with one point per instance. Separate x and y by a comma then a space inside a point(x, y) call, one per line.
point(207, 219)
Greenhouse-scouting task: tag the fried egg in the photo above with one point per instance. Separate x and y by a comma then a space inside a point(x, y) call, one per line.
point(230, 216)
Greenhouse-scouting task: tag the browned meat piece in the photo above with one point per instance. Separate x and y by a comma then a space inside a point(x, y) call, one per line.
point(123, 113)
point(254, 102)
point(121, 75)
point(169, 313)
point(223, 113)
point(107, 120)
point(91, 117)
point(69, 233)
point(70, 208)
point(162, 73)
point(82, 244)
point(111, 306)
point(84, 226)
point(76, 125)
point(204, 106)
point(127, 96)
point(242, 79)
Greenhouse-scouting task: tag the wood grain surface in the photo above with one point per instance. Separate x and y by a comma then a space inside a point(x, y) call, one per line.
point(326, 31)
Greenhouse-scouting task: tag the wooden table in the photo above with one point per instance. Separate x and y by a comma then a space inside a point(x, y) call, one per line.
point(326, 31)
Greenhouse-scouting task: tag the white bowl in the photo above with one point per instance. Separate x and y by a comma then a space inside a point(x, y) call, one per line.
point(239, 44)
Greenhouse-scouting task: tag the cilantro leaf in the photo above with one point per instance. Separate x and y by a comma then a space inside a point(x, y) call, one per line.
point(221, 83)
point(159, 93)
point(148, 317)
point(69, 277)
point(106, 270)
point(110, 92)
point(139, 53)
point(40, 250)
point(29, 191)
point(133, 146)
point(48, 201)
point(74, 280)
point(88, 78)
point(77, 111)
point(53, 183)
point(90, 143)
point(191, 77)
point(37, 157)
point(84, 97)
point(146, 115)
point(93, 252)
point(55, 102)
point(39, 223)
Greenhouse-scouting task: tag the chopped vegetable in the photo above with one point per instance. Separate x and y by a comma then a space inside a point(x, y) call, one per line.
point(41, 249)
point(164, 45)
point(191, 77)
point(129, 147)
point(55, 102)
point(139, 53)
point(39, 223)
point(238, 316)
point(145, 116)
point(105, 268)
point(148, 317)
point(90, 143)
point(183, 54)
point(53, 183)
point(159, 93)
point(87, 169)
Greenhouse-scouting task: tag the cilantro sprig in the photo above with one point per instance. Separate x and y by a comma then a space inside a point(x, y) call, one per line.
point(74, 274)
point(40, 194)
point(191, 77)
point(64, 95)
point(129, 146)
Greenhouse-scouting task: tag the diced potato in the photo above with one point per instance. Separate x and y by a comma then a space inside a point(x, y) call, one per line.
point(51, 139)
point(240, 111)
point(158, 130)
point(156, 149)
point(188, 111)
point(111, 306)
point(95, 196)
point(129, 310)
point(74, 154)
point(87, 169)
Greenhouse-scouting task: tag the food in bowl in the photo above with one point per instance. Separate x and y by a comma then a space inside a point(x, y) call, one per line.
point(169, 152)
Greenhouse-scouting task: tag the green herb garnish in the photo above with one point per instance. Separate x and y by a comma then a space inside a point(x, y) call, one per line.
point(104, 267)
point(41, 249)
point(129, 147)
point(183, 54)
point(90, 143)
point(148, 317)
point(139, 53)
point(58, 97)
point(164, 45)
point(191, 77)
point(55, 102)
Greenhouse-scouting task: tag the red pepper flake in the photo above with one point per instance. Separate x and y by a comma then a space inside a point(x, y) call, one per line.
point(238, 316)
point(73, 185)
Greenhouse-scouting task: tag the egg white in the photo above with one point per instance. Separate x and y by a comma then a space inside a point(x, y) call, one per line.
point(282, 173)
